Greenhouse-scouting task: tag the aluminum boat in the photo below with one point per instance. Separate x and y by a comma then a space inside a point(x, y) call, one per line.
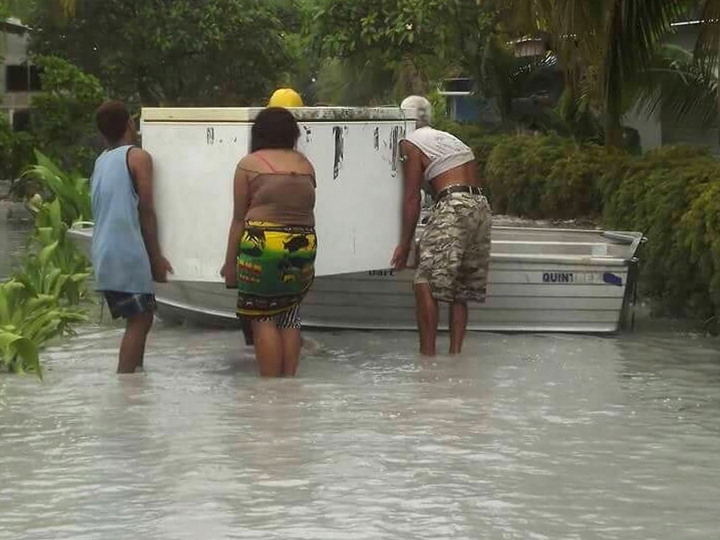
point(542, 279)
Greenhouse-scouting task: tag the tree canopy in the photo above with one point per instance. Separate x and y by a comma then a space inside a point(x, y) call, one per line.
point(170, 52)
point(406, 43)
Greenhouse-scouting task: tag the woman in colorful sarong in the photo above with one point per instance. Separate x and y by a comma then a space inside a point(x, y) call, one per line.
point(272, 244)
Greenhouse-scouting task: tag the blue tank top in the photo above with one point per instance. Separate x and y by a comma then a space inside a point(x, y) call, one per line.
point(119, 256)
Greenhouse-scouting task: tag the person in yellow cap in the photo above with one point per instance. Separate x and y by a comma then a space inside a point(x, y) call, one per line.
point(285, 97)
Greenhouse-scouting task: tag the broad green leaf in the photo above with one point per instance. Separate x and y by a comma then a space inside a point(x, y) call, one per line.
point(47, 252)
point(15, 345)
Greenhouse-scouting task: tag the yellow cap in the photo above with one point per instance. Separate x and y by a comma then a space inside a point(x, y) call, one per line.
point(285, 97)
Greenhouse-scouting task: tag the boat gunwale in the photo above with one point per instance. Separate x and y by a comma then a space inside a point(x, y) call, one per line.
point(534, 258)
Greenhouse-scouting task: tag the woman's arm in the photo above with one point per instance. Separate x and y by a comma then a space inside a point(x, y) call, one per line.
point(237, 225)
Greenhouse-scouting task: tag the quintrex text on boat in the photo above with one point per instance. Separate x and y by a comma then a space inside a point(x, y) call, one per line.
point(558, 277)
point(582, 277)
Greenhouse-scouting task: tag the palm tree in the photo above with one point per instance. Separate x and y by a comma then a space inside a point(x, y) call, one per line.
point(617, 39)
point(685, 84)
point(707, 49)
point(680, 86)
point(68, 6)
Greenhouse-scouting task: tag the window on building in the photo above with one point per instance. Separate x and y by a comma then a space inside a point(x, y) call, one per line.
point(458, 85)
point(22, 78)
point(21, 120)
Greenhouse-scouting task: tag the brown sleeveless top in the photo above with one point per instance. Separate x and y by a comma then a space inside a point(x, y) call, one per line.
point(281, 197)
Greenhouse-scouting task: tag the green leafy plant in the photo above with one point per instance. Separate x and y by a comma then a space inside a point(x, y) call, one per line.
point(27, 322)
point(15, 150)
point(42, 300)
point(518, 170)
point(71, 190)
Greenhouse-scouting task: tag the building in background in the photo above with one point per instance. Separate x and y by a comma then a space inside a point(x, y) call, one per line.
point(465, 104)
point(461, 105)
point(19, 79)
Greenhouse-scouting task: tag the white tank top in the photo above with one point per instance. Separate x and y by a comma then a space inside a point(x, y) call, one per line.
point(444, 151)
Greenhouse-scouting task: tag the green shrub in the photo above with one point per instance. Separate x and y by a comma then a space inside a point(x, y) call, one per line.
point(518, 172)
point(15, 150)
point(576, 182)
point(699, 235)
point(668, 195)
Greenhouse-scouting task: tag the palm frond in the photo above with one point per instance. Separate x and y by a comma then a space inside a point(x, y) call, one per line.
point(707, 47)
point(679, 87)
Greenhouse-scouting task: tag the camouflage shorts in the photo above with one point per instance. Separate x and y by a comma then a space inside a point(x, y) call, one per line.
point(454, 249)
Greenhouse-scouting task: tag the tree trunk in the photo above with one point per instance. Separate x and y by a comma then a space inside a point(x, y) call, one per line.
point(614, 78)
point(718, 88)
point(613, 132)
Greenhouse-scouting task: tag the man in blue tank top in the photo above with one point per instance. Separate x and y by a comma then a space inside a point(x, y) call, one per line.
point(126, 253)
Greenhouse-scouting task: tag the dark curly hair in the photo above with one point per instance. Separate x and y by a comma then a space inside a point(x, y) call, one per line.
point(274, 127)
point(112, 119)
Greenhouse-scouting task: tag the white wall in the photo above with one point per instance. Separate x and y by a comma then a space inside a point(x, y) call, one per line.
point(13, 50)
point(649, 127)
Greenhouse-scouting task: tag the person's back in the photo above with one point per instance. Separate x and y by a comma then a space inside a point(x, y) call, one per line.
point(443, 150)
point(281, 188)
point(119, 255)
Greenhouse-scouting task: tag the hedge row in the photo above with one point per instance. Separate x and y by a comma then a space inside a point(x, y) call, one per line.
point(671, 194)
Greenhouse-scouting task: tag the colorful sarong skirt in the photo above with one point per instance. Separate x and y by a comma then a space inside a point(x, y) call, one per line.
point(275, 268)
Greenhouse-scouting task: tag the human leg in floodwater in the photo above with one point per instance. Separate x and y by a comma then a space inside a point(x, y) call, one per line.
point(277, 344)
point(275, 269)
point(454, 254)
point(268, 348)
point(277, 350)
point(441, 251)
point(132, 347)
point(138, 310)
point(292, 345)
point(426, 312)
point(458, 326)
point(471, 282)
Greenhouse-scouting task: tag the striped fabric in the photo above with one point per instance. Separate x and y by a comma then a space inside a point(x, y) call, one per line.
point(287, 319)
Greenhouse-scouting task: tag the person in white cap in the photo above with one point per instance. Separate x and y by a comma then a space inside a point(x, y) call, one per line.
point(454, 249)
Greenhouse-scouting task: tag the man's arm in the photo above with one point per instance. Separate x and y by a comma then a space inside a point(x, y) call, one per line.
point(412, 182)
point(141, 167)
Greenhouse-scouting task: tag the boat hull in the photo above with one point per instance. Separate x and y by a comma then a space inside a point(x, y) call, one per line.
point(540, 280)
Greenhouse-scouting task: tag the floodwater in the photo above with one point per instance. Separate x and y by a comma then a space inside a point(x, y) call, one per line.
point(523, 437)
point(13, 242)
